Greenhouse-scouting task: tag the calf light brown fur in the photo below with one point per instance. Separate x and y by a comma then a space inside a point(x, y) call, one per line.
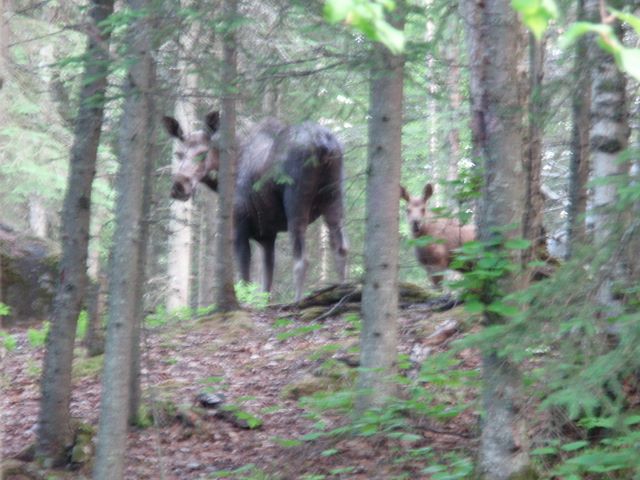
point(448, 233)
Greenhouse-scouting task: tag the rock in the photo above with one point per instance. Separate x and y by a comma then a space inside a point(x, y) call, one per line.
point(210, 400)
point(443, 332)
point(29, 269)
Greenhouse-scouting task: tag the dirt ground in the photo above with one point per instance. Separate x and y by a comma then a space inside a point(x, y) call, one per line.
point(260, 363)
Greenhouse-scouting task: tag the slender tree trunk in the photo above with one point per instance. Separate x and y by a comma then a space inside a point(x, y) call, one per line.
point(497, 110)
point(124, 272)
point(5, 35)
point(609, 136)
point(180, 235)
point(143, 249)
point(579, 167)
point(54, 434)
point(533, 227)
point(207, 205)
point(378, 340)
point(94, 337)
point(225, 293)
point(453, 136)
point(38, 223)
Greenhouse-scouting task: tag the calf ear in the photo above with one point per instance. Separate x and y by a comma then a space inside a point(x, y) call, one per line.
point(172, 127)
point(427, 192)
point(212, 121)
point(404, 194)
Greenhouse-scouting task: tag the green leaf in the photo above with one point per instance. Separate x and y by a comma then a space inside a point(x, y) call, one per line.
point(544, 451)
point(629, 61)
point(502, 309)
point(391, 37)
point(474, 306)
point(517, 244)
point(632, 420)
point(573, 446)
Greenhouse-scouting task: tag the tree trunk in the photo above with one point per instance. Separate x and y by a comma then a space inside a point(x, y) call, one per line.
point(38, 223)
point(124, 272)
point(497, 133)
point(54, 434)
point(378, 340)
point(206, 262)
point(143, 249)
point(579, 167)
point(609, 136)
point(533, 227)
point(225, 292)
point(180, 235)
point(94, 337)
point(455, 100)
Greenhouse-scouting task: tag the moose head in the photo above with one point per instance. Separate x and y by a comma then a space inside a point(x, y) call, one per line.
point(417, 213)
point(197, 154)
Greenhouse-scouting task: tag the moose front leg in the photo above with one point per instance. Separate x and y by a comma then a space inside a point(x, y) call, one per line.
point(243, 254)
point(268, 248)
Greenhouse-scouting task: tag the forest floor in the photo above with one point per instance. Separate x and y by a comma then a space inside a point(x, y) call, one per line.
point(262, 363)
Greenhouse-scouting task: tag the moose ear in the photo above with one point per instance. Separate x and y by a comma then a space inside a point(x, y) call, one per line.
point(172, 127)
point(212, 121)
point(427, 192)
point(404, 194)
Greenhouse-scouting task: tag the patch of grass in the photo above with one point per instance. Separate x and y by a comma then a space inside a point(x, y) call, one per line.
point(87, 367)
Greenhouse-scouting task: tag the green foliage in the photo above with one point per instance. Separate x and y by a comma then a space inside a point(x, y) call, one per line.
point(536, 14)
point(9, 342)
point(251, 420)
point(251, 295)
point(367, 16)
point(83, 322)
point(491, 261)
point(38, 336)
point(299, 331)
point(627, 59)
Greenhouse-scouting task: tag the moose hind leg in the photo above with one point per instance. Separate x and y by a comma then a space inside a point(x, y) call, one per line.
point(300, 262)
point(339, 246)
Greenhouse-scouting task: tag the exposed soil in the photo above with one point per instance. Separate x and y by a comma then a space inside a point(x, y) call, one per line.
point(244, 360)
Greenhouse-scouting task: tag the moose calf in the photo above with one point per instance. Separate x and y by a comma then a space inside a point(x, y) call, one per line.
point(447, 234)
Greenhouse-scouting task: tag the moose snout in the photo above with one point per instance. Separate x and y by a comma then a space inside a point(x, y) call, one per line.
point(415, 227)
point(178, 191)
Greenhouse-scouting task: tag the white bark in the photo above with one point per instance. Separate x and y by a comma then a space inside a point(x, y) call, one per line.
point(38, 223)
point(180, 234)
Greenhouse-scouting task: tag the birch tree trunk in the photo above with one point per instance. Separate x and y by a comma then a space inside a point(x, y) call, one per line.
point(180, 235)
point(579, 167)
point(609, 136)
point(54, 433)
point(124, 272)
point(225, 292)
point(497, 132)
point(378, 340)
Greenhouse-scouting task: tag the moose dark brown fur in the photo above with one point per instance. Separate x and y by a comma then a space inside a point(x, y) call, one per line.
point(287, 177)
point(448, 233)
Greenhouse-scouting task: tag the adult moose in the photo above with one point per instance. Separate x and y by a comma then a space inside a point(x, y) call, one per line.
point(446, 234)
point(287, 177)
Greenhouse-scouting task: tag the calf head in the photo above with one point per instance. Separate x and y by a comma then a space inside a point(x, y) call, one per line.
point(417, 213)
point(197, 154)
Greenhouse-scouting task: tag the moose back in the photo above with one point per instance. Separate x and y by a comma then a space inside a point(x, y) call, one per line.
point(287, 177)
